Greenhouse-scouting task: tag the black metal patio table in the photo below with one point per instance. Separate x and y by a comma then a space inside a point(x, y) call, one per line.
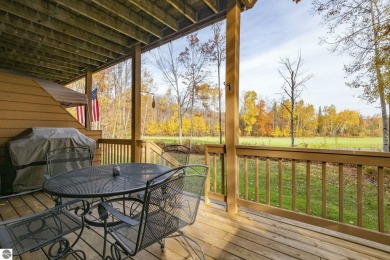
point(100, 182)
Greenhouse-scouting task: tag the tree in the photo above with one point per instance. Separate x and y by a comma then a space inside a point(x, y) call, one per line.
point(264, 119)
point(294, 82)
point(194, 60)
point(218, 55)
point(360, 28)
point(329, 120)
point(320, 120)
point(306, 119)
point(169, 66)
point(249, 111)
point(147, 87)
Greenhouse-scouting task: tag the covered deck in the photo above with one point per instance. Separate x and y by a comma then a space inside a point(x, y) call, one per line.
point(240, 233)
point(246, 235)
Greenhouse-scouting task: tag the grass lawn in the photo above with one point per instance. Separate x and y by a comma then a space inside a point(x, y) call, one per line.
point(364, 144)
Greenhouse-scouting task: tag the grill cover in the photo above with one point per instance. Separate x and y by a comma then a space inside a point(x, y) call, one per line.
point(28, 153)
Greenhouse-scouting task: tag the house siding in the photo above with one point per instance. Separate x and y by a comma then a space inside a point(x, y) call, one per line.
point(25, 104)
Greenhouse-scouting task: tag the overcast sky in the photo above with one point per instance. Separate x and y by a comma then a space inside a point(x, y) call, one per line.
point(278, 29)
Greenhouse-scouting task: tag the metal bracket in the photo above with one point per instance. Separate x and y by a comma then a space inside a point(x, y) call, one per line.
point(227, 85)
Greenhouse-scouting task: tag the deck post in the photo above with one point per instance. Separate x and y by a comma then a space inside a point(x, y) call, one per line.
point(232, 101)
point(88, 92)
point(135, 102)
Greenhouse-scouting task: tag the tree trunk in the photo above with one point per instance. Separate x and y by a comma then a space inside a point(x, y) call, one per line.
point(192, 115)
point(385, 123)
point(388, 102)
point(179, 118)
point(219, 100)
point(292, 125)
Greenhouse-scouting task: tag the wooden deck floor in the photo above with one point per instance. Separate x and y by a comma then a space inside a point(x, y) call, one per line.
point(247, 235)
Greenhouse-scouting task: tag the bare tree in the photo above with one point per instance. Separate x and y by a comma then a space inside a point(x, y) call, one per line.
point(169, 67)
point(194, 60)
point(294, 82)
point(360, 29)
point(218, 55)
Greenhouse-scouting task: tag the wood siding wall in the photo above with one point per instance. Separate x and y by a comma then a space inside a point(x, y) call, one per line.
point(25, 104)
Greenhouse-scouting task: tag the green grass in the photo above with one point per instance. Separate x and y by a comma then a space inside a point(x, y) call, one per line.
point(364, 144)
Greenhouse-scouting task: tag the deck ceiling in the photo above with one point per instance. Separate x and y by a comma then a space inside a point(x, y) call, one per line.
point(59, 40)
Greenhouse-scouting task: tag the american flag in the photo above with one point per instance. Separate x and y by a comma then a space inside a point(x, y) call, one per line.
point(80, 113)
point(95, 106)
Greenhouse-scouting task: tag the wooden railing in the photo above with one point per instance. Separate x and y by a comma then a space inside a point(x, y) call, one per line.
point(345, 191)
point(119, 151)
point(115, 150)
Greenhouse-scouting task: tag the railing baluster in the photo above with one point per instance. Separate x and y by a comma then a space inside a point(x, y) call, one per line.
point(256, 179)
point(222, 156)
point(246, 177)
point(360, 195)
point(117, 153)
point(308, 187)
point(324, 189)
point(294, 186)
point(341, 192)
point(128, 147)
point(215, 172)
point(103, 151)
point(280, 183)
point(207, 182)
point(381, 202)
point(111, 153)
point(268, 181)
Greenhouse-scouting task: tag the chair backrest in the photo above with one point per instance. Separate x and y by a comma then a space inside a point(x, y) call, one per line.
point(175, 155)
point(172, 204)
point(67, 159)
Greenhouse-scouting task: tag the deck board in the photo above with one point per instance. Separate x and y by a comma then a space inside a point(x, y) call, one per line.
point(246, 235)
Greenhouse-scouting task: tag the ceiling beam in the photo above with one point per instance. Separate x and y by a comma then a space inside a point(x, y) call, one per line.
point(27, 46)
point(58, 19)
point(49, 43)
point(158, 14)
point(41, 63)
point(38, 66)
point(25, 51)
point(212, 4)
point(249, 3)
point(104, 18)
point(27, 69)
point(43, 31)
point(129, 15)
point(184, 9)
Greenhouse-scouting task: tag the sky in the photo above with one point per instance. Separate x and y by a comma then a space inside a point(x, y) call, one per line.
point(279, 29)
point(272, 30)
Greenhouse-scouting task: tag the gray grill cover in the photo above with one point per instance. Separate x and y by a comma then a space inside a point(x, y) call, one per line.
point(28, 153)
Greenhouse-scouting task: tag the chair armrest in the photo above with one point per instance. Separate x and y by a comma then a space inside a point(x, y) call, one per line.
point(105, 207)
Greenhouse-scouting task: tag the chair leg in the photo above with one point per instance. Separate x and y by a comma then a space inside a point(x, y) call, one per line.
point(162, 244)
point(187, 239)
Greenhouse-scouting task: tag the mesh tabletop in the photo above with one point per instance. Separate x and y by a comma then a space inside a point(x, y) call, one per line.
point(99, 181)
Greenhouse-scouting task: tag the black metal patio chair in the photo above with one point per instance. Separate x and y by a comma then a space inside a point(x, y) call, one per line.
point(67, 159)
point(49, 227)
point(147, 222)
point(175, 155)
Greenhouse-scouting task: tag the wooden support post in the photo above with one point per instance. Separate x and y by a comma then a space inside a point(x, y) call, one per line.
point(88, 92)
point(135, 102)
point(232, 101)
